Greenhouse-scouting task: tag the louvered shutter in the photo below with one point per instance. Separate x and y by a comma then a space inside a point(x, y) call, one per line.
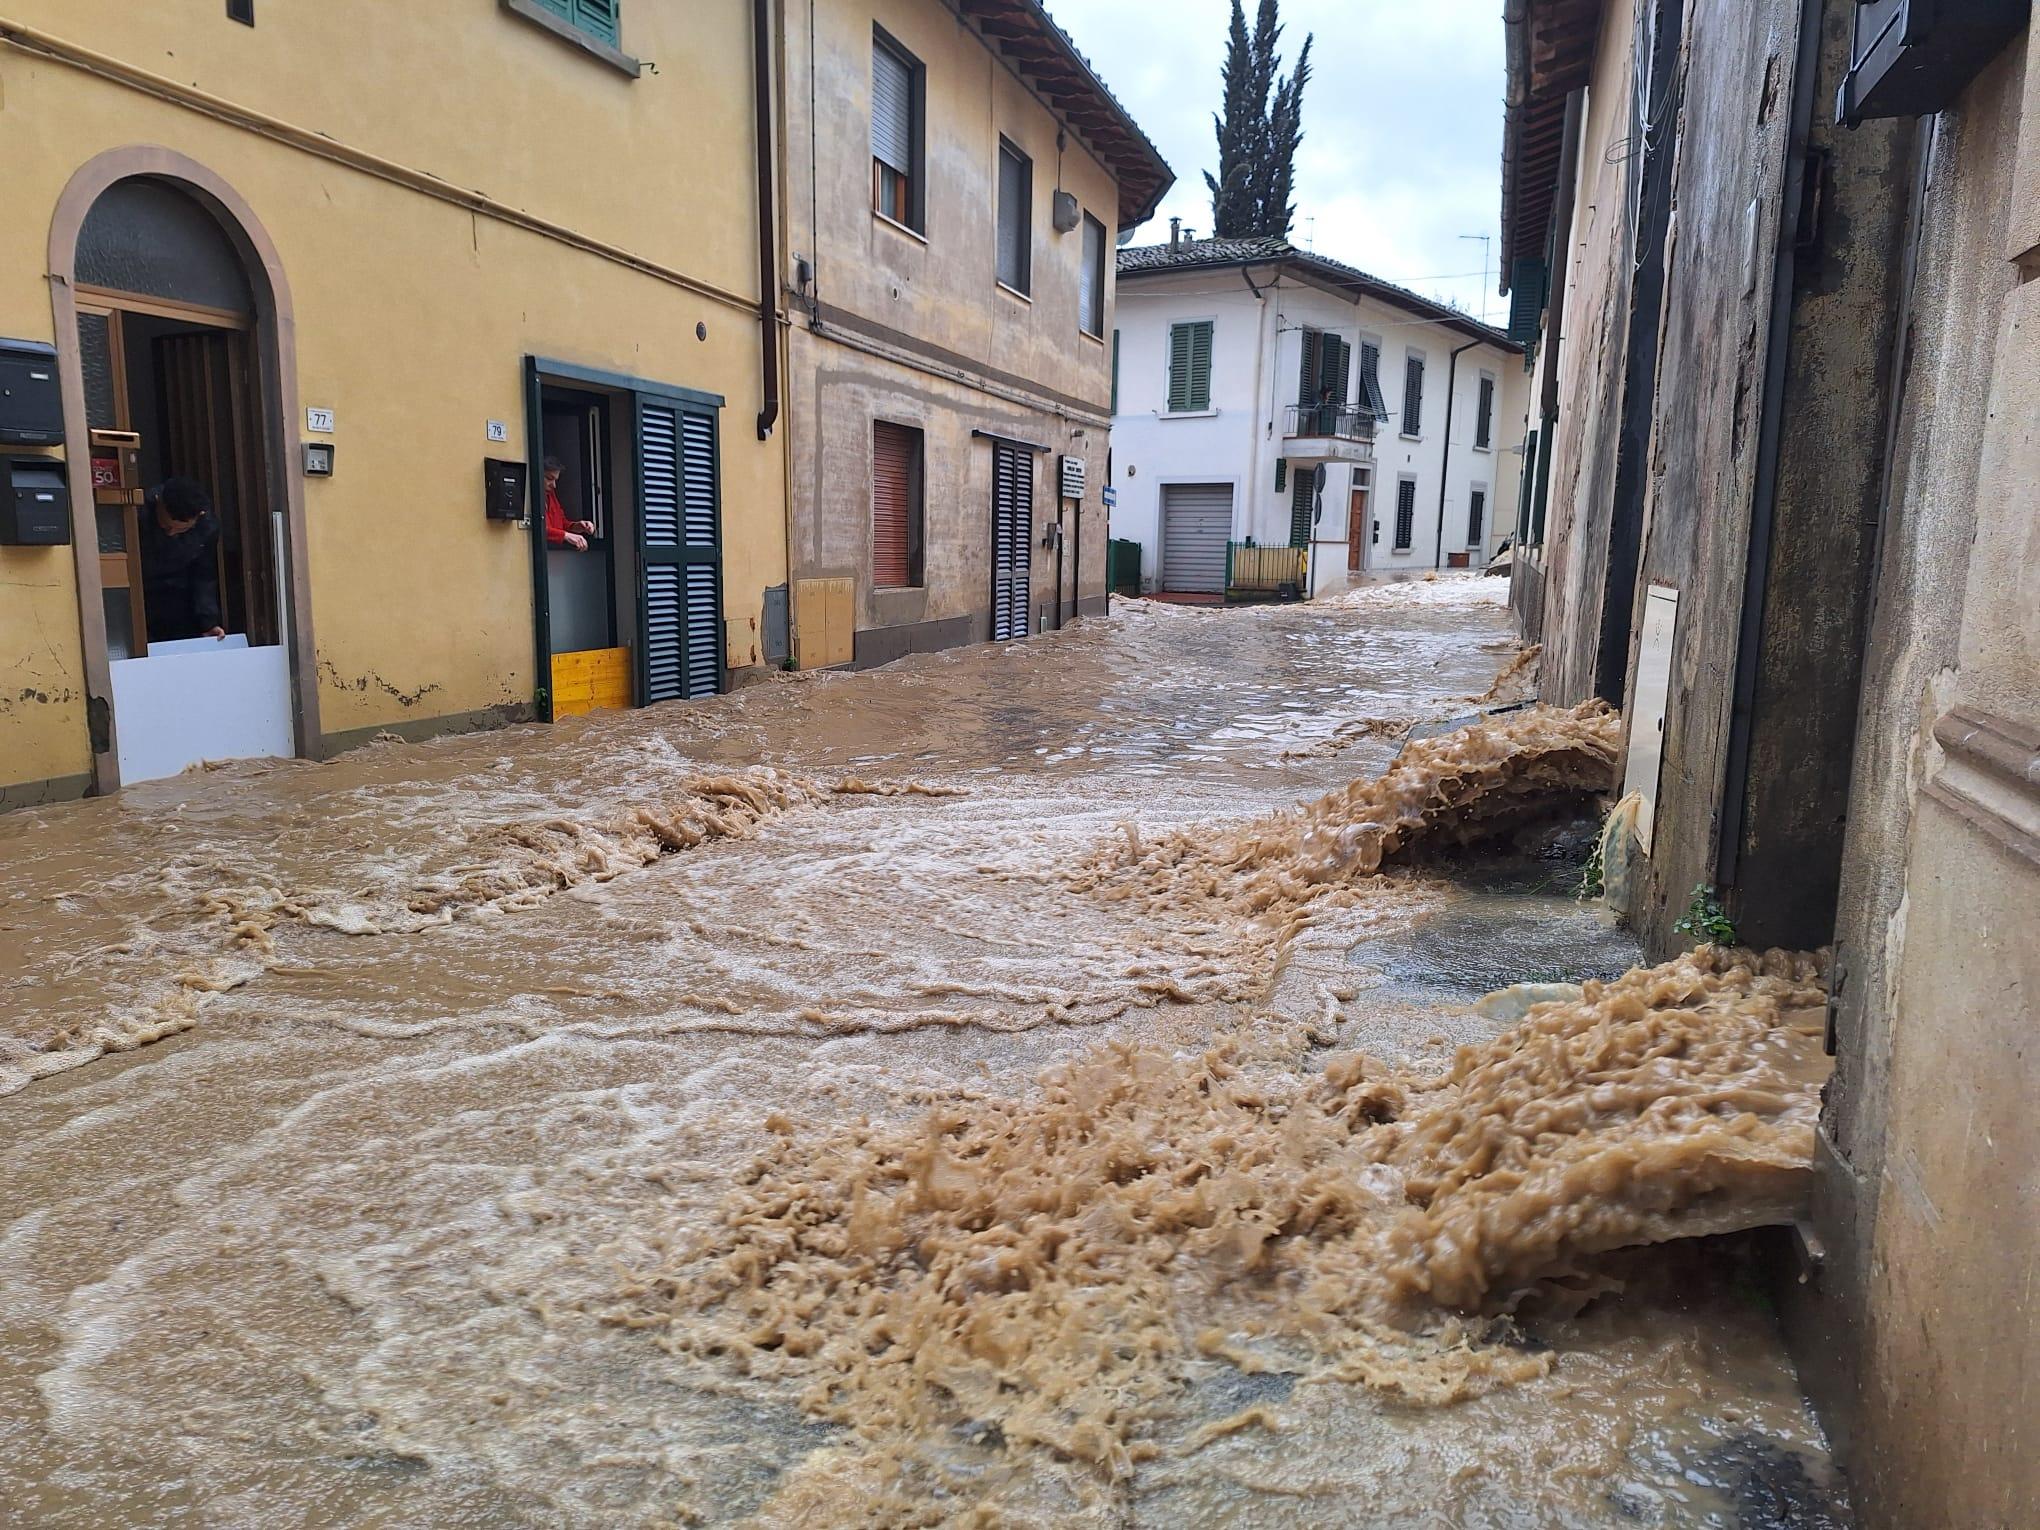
point(1476, 512)
point(1012, 539)
point(1335, 353)
point(892, 485)
point(1526, 300)
point(1307, 369)
point(1190, 367)
point(1370, 380)
point(1302, 506)
point(892, 110)
point(1405, 513)
point(1484, 424)
point(1413, 396)
point(598, 18)
point(679, 550)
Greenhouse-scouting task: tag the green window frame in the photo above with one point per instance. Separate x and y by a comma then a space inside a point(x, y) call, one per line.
point(1190, 367)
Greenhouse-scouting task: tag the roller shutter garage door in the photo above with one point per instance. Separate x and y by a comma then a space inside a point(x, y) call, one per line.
point(1196, 524)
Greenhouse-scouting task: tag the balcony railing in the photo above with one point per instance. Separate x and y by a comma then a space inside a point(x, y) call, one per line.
point(1342, 422)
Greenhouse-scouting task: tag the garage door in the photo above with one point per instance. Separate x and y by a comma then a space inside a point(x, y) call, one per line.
point(1196, 524)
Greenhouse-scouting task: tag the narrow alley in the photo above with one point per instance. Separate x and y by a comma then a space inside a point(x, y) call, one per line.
point(379, 1129)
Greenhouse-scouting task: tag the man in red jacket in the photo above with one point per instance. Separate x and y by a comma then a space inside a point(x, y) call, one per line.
point(559, 531)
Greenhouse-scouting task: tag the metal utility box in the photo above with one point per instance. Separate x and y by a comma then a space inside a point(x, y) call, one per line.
point(35, 505)
point(31, 409)
point(503, 488)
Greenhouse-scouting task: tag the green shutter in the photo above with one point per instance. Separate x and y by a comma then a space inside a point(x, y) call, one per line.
point(1332, 368)
point(598, 19)
point(1307, 372)
point(1526, 300)
point(1115, 371)
point(1281, 474)
point(1302, 505)
point(564, 9)
point(1190, 367)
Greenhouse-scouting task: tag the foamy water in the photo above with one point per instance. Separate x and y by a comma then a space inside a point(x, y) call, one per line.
point(358, 1109)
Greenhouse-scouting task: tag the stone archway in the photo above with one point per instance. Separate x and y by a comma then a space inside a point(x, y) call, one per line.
point(275, 356)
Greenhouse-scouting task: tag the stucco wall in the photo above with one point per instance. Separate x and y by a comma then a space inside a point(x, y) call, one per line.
point(413, 315)
point(914, 327)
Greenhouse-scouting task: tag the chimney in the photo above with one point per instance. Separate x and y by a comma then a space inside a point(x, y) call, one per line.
point(1175, 235)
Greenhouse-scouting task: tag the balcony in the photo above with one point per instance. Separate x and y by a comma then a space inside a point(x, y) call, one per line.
point(1316, 434)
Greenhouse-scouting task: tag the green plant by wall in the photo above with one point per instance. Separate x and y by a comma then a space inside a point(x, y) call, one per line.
point(1592, 883)
point(1705, 919)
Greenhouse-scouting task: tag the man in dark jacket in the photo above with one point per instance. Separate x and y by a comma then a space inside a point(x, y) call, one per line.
point(180, 536)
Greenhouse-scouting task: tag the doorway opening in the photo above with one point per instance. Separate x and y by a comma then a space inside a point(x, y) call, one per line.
point(626, 527)
point(192, 573)
point(1356, 527)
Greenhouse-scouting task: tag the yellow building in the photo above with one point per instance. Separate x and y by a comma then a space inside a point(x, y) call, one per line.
point(359, 269)
point(956, 177)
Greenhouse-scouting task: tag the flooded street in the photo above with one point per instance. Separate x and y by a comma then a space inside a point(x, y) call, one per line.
point(404, 1140)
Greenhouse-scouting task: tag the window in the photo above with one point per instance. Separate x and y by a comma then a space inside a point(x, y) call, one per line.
point(1321, 383)
point(1190, 367)
point(1370, 378)
point(1413, 394)
point(1016, 223)
point(1281, 475)
point(1405, 513)
point(1476, 512)
point(895, 505)
point(1303, 495)
point(896, 95)
point(1484, 416)
point(1091, 288)
point(592, 19)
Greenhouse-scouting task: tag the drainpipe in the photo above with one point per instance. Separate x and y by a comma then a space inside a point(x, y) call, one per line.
point(768, 229)
point(1445, 455)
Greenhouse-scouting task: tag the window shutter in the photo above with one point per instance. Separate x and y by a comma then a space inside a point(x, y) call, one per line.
point(1012, 539)
point(1200, 365)
point(1370, 380)
point(1091, 297)
point(1476, 512)
point(1526, 300)
point(892, 110)
point(1115, 371)
point(892, 488)
point(1302, 504)
point(1189, 367)
point(1281, 474)
point(1307, 370)
point(1413, 396)
point(598, 19)
point(1405, 513)
point(679, 551)
point(1332, 367)
point(1483, 425)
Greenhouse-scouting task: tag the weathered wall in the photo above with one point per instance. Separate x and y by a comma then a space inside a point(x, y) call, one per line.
point(909, 323)
point(1740, 64)
point(413, 314)
point(1595, 263)
point(1921, 1345)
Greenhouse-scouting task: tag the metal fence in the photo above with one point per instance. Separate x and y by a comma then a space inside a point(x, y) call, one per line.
point(1252, 569)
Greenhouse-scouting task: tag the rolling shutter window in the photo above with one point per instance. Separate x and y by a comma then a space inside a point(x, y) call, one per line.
point(895, 508)
point(1413, 395)
point(1370, 380)
point(1016, 191)
point(892, 110)
point(1405, 513)
point(1190, 367)
point(1484, 421)
point(1476, 512)
point(1091, 295)
point(679, 551)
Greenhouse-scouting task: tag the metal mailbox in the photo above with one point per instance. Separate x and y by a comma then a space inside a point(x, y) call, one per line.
point(31, 409)
point(35, 504)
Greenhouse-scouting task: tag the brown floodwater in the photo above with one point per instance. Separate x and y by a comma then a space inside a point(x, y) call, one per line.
point(945, 1094)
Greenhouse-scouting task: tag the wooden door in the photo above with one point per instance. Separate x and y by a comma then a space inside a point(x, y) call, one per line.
point(1356, 532)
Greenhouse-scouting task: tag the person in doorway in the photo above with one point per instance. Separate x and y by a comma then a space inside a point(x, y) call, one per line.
point(559, 531)
point(180, 539)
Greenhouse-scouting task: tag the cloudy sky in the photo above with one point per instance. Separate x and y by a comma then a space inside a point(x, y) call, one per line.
point(1402, 124)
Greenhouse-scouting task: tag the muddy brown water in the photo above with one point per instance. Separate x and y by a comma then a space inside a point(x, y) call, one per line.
point(343, 1107)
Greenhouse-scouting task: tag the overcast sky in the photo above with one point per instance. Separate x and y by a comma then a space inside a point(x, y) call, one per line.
point(1402, 124)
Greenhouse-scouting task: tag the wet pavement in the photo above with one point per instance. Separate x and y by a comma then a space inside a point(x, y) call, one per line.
point(338, 1102)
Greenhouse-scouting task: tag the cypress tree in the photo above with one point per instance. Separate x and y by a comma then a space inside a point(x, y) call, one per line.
point(1259, 129)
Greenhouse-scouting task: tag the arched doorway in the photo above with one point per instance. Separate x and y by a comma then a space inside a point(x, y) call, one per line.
point(173, 327)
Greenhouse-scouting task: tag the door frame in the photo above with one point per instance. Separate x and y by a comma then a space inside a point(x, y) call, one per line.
point(274, 357)
point(625, 389)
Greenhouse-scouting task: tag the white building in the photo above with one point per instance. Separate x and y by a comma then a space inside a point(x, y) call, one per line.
point(1264, 394)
